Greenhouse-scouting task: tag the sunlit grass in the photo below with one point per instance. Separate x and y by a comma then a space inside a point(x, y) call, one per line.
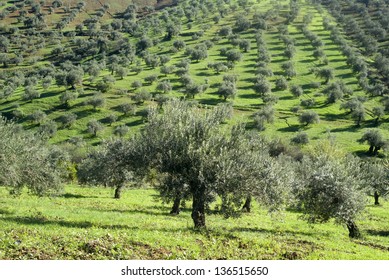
point(87, 223)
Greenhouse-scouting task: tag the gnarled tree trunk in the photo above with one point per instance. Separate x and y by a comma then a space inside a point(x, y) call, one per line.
point(118, 191)
point(371, 149)
point(176, 206)
point(376, 149)
point(198, 210)
point(353, 230)
point(247, 204)
point(376, 196)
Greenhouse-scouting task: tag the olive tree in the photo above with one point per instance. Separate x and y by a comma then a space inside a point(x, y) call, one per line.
point(196, 158)
point(325, 73)
point(94, 126)
point(377, 180)
point(67, 96)
point(375, 140)
point(331, 188)
point(35, 165)
point(105, 166)
point(309, 117)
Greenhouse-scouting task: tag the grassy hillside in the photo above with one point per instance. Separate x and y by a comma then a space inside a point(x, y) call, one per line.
point(80, 72)
point(87, 223)
point(42, 58)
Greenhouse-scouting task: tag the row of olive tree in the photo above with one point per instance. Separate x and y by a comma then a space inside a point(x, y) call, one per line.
point(197, 158)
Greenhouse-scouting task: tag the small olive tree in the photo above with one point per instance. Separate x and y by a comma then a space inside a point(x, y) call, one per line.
point(375, 139)
point(26, 160)
point(331, 188)
point(107, 166)
point(377, 180)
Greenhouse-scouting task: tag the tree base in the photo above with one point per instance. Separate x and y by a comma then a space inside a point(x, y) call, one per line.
point(353, 230)
point(176, 207)
point(118, 192)
point(247, 205)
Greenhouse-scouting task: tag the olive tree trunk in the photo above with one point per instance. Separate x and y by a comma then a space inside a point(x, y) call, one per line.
point(176, 206)
point(118, 191)
point(376, 197)
point(353, 230)
point(376, 149)
point(247, 205)
point(198, 210)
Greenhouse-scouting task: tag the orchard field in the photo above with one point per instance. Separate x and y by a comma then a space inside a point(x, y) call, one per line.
point(211, 102)
point(58, 79)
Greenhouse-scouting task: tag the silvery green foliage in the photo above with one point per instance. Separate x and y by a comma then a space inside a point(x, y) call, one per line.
point(377, 178)
point(330, 188)
point(110, 165)
point(27, 161)
point(197, 158)
point(174, 142)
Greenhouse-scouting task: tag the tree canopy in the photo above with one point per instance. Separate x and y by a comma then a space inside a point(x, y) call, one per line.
point(27, 161)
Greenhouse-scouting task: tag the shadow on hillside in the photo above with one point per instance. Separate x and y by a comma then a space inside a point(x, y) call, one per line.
point(287, 97)
point(5, 212)
point(71, 195)
point(44, 221)
point(83, 114)
point(135, 123)
point(280, 60)
point(352, 128)
point(204, 74)
point(249, 96)
point(49, 94)
point(152, 211)
point(308, 60)
point(339, 60)
point(292, 128)
point(278, 48)
point(271, 231)
point(384, 233)
point(211, 101)
point(342, 67)
point(334, 117)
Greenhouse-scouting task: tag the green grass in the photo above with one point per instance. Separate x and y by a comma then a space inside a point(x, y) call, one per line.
point(87, 223)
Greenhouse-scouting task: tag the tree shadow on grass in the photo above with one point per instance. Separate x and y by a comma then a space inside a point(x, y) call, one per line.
point(135, 123)
point(37, 220)
point(292, 128)
point(345, 76)
point(152, 211)
point(334, 117)
point(83, 114)
point(280, 60)
point(365, 153)
point(287, 97)
point(250, 71)
point(343, 67)
point(308, 60)
point(249, 96)
point(384, 233)
point(352, 128)
point(42, 221)
point(278, 48)
point(72, 195)
point(204, 74)
point(210, 101)
point(272, 231)
point(50, 94)
point(5, 212)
